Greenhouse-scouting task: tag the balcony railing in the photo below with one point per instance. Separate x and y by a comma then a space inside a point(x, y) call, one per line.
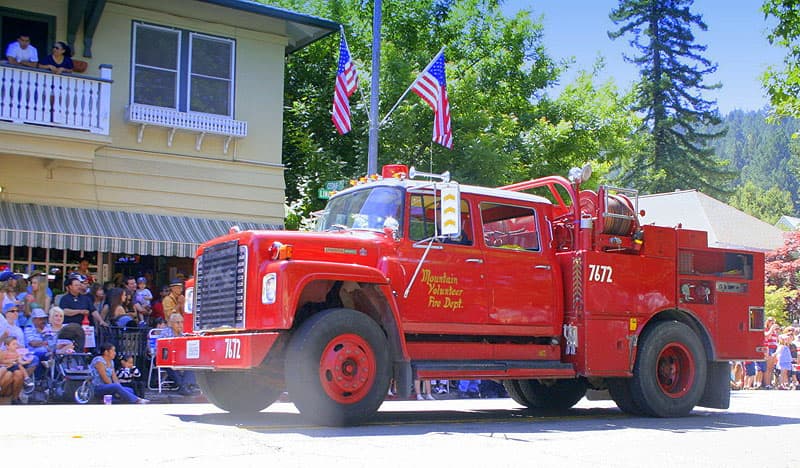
point(201, 124)
point(32, 96)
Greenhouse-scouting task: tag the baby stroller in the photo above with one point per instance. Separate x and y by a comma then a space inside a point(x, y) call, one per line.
point(69, 376)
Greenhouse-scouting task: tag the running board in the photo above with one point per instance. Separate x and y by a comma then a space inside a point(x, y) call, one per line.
point(492, 369)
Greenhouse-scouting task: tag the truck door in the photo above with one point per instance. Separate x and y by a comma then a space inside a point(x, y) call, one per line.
point(448, 287)
point(519, 270)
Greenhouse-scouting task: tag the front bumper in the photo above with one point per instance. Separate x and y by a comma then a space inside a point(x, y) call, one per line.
point(234, 351)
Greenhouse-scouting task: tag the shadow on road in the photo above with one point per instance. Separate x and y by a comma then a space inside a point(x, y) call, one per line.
point(388, 422)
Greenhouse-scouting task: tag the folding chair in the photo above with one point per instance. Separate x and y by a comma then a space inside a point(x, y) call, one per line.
point(161, 381)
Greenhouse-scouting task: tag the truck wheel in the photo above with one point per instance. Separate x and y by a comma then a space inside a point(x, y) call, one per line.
point(337, 367)
point(237, 392)
point(512, 387)
point(670, 371)
point(559, 394)
point(620, 390)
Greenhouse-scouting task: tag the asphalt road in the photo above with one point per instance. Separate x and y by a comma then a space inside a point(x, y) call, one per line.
point(760, 429)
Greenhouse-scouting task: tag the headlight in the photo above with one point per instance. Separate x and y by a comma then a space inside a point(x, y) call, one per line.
point(188, 304)
point(269, 286)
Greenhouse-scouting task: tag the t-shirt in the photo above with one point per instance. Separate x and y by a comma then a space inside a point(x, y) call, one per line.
point(3, 326)
point(65, 63)
point(32, 334)
point(128, 374)
point(784, 358)
point(81, 302)
point(96, 380)
point(143, 297)
point(17, 333)
point(28, 54)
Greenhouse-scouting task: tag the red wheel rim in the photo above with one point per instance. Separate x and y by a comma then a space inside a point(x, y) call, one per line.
point(675, 371)
point(347, 368)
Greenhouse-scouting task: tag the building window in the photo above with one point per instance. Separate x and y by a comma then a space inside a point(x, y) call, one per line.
point(182, 70)
point(55, 262)
point(156, 66)
point(211, 75)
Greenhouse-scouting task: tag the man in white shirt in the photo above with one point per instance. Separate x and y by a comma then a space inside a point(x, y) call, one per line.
point(21, 52)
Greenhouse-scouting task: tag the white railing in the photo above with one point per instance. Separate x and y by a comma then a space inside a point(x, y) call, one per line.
point(32, 96)
point(201, 124)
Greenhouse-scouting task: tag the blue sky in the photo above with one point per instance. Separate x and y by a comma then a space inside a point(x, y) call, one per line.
point(736, 41)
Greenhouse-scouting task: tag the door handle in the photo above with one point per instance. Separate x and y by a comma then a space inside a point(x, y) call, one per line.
point(542, 267)
point(474, 260)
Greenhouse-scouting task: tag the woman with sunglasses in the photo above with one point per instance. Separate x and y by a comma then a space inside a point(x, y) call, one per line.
point(59, 60)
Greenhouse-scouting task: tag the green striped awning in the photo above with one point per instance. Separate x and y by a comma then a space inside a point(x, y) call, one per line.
point(109, 231)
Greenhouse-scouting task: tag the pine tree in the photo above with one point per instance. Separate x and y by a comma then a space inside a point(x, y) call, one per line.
point(669, 98)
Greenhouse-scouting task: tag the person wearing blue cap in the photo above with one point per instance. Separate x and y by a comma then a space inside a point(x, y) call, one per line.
point(7, 275)
point(142, 299)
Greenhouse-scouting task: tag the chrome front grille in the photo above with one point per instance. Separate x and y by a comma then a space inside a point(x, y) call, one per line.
point(220, 286)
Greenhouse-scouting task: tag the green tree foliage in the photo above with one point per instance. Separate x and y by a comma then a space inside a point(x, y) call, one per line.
point(586, 122)
point(783, 85)
point(776, 303)
point(505, 127)
point(765, 154)
point(669, 96)
point(766, 205)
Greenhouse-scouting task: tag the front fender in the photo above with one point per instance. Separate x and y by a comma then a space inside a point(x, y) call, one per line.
point(294, 287)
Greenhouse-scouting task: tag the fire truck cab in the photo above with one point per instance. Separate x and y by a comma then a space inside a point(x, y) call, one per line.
point(429, 279)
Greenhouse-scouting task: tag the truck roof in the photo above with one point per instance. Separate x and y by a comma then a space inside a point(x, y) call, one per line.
point(473, 189)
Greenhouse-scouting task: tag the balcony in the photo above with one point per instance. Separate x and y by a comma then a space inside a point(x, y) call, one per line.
point(70, 101)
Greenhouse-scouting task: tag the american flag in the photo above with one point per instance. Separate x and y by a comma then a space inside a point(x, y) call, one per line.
point(346, 84)
point(431, 86)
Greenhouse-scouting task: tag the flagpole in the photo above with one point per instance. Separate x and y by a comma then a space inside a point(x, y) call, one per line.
point(372, 155)
point(409, 87)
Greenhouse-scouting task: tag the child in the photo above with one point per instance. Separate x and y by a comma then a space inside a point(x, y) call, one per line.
point(142, 298)
point(130, 376)
point(13, 377)
point(18, 361)
point(784, 360)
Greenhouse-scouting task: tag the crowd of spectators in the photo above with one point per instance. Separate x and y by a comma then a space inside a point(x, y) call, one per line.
point(779, 369)
point(35, 326)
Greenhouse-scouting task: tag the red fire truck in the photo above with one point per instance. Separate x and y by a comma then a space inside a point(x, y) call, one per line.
point(552, 294)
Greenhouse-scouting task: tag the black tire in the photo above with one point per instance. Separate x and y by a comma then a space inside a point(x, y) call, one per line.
point(338, 367)
point(620, 390)
point(559, 394)
point(71, 388)
point(670, 371)
point(512, 387)
point(237, 392)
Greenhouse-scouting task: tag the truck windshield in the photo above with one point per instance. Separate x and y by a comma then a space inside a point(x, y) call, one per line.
point(367, 208)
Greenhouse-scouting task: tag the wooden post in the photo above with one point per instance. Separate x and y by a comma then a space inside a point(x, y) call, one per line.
point(105, 99)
